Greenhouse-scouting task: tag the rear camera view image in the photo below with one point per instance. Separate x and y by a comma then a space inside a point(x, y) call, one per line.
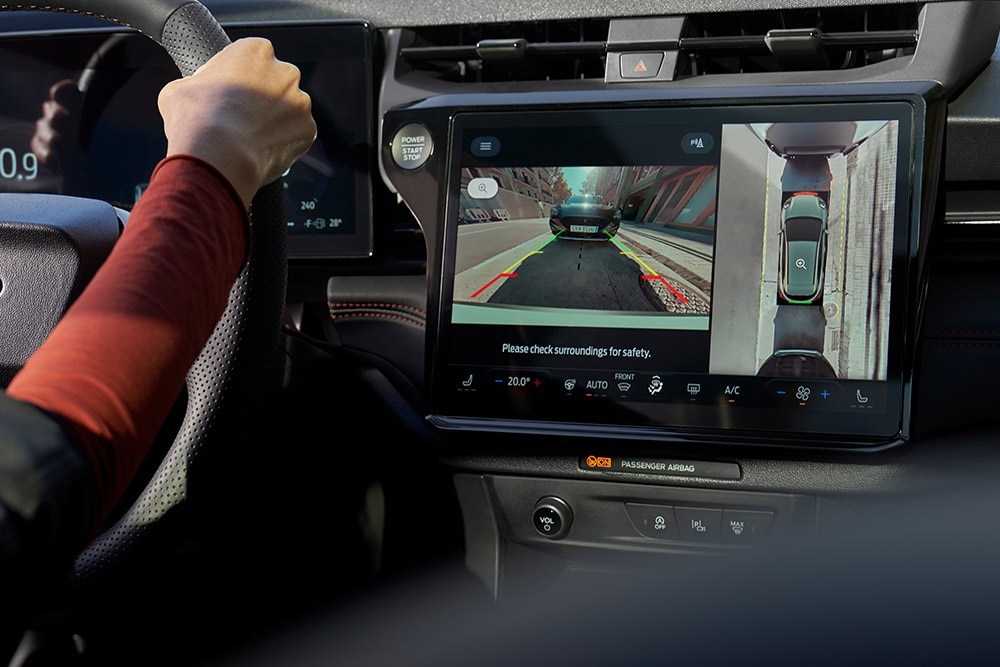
point(806, 214)
point(610, 246)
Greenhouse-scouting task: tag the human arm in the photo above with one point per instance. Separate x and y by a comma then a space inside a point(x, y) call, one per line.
point(113, 367)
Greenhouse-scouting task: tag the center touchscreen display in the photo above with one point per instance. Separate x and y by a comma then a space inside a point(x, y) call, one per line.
point(677, 270)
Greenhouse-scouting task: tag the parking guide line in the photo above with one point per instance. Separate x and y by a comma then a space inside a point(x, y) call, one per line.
point(487, 285)
point(653, 274)
point(511, 271)
point(668, 286)
point(763, 244)
point(842, 252)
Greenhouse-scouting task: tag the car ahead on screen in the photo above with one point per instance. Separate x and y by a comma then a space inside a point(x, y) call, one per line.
point(585, 217)
point(802, 259)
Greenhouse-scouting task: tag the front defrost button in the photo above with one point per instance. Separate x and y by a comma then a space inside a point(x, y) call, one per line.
point(745, 527)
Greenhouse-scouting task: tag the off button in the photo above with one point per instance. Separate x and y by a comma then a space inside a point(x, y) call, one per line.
point(412, 146)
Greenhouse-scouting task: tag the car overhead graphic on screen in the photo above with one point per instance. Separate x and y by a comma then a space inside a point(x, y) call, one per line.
point(803, 248)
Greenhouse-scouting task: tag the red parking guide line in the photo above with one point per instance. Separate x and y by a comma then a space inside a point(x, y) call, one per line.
point(486, 286)
point(669, 287)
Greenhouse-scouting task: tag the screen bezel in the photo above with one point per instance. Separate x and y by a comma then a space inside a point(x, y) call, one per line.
point(909, 111)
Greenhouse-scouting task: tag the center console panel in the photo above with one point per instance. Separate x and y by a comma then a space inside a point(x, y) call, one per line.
point(637, 289)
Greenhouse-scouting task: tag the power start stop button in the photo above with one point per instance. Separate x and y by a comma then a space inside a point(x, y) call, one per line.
point(412, 146)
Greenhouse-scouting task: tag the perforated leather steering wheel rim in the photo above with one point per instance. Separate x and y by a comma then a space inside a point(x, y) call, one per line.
point(225, 381)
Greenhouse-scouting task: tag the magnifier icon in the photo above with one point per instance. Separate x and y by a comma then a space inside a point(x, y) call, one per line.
point(800, 263)
point(483, 188)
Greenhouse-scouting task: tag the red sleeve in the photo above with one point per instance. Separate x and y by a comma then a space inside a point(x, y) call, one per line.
point(114, 365)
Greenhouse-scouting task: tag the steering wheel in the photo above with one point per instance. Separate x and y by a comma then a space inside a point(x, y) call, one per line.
point(225, 381)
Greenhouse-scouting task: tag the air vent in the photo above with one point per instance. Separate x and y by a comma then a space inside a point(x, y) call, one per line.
point(788, 40)
point(717, 43)
point(529, 51)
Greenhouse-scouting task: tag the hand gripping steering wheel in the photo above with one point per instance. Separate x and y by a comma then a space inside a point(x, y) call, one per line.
point(226, 379)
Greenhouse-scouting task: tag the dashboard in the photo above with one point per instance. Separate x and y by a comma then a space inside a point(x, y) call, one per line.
point(651, 280)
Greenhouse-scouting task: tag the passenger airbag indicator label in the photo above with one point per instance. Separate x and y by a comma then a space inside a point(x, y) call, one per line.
point(709, 469)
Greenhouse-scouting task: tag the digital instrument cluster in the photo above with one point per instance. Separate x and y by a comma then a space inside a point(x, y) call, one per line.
point(78, 116)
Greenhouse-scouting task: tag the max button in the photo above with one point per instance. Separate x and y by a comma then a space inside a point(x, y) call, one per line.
point(744, 526)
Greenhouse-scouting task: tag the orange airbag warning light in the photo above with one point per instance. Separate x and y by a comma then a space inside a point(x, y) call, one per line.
point(598, 461)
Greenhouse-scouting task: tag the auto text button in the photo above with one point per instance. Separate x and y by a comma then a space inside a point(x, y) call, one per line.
point(655, 521)
point(695, 523)
point(412, 146)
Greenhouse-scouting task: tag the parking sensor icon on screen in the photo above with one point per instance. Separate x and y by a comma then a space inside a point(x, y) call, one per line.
point(697, 143)
point(483, 188)
point(485, 146)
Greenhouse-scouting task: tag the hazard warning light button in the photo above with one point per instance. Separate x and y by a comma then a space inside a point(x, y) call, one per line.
point(641, 65)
